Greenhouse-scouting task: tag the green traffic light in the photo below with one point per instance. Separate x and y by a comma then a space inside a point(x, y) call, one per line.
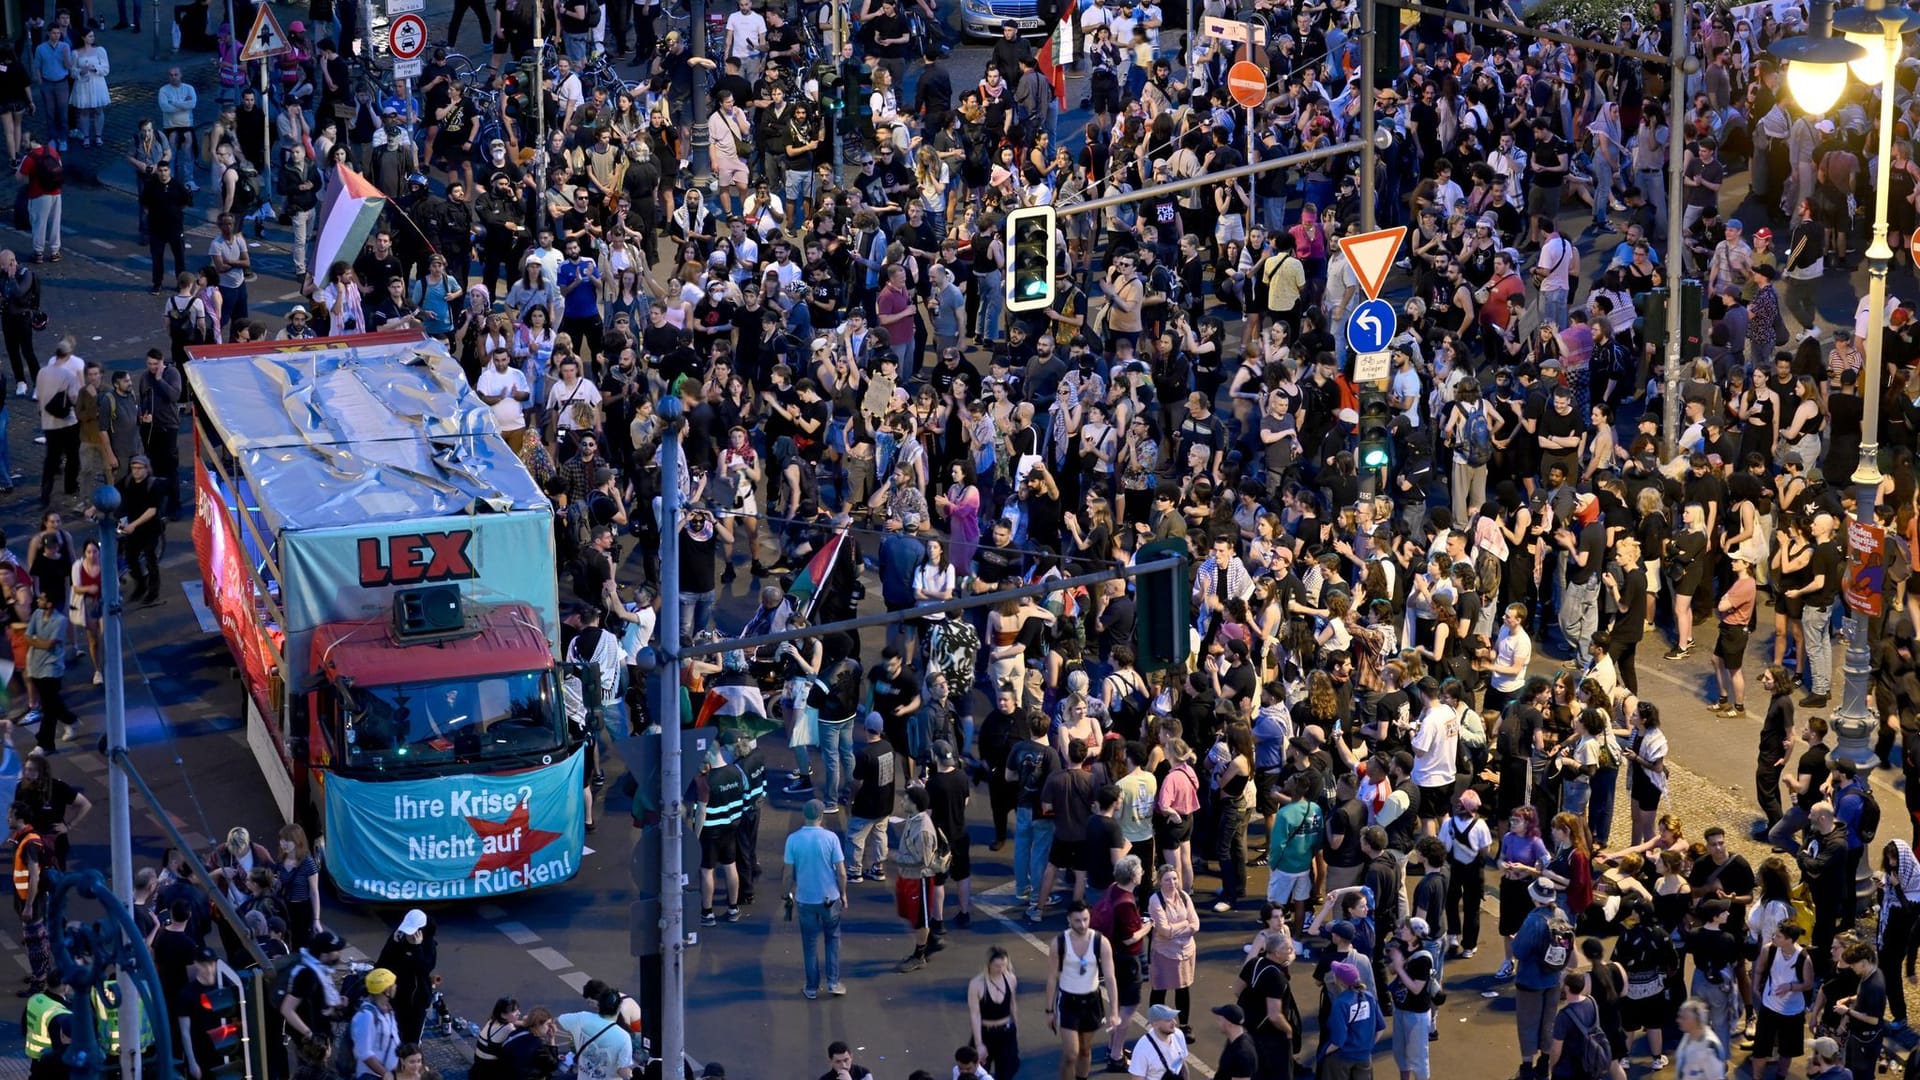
point(1374, 457)
point(1036, 287)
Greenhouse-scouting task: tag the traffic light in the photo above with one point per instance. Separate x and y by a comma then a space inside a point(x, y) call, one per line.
point(1163, 607)
point(1375, 438)
point(1386, 43)
point(1657, 309)
point(226, 1032)
point(1031, 239)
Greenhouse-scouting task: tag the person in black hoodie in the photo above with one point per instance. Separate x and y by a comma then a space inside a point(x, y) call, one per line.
point(411, 953)
point(165, 199)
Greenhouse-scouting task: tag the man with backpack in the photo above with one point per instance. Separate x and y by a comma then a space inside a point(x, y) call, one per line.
point(375, 1030)
point(1856, 808)
point(19, 306)
point(1541, 951)
point(1580, 1047)
point(1783, 976)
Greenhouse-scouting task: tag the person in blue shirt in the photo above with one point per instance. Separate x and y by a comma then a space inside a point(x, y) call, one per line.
point(1539, 961)
point(1850, 795)
point(579, 285)
point(1352, 1028)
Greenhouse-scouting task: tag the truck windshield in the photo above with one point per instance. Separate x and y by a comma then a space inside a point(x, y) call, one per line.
point(412, 725)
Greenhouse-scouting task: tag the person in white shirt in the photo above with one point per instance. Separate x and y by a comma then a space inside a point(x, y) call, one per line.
point(747, 39)
point(1512, 652)
point(573, 401)
point(1436, 746)
point(1162, 1051)
point(504, 388)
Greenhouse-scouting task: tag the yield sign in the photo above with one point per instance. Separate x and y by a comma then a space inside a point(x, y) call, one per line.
point(265, 39)
point(1371, 256)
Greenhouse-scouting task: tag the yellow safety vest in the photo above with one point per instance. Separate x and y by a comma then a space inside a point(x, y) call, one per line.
point(42, 1011)
point(106, 1021)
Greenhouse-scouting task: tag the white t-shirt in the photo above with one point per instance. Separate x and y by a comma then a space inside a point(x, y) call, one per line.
point(561, 398)
point(507, 412)
point(749, 33)
point(1149, 1051)
point(1436, 745)
point(1511, 647)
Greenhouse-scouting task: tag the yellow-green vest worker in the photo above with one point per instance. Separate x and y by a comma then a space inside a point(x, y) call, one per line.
point(42, 1010)
point(106, 1021)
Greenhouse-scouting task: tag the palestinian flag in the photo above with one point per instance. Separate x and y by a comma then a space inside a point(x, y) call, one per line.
point(816, 578)
point(733, 703)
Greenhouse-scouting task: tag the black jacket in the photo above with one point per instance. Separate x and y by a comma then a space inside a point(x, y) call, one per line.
point(291, 180)
point(166, 206)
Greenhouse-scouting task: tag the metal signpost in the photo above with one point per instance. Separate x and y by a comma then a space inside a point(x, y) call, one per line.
point(407, 40)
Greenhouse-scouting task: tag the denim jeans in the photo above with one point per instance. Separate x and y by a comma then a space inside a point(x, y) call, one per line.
point(836, 760)
point(1785, 833)
point(1553, 308)
point(1606, 783)
point(1721, 1002)
point(695, 609)
point(817, 920)
point(1032, 843)
point(1817, 623)
point(992, 302)
point(578, 46)
point(1574, 795)
point(1580, 614)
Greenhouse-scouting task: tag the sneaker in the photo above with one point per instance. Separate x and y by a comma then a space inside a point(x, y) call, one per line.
point(878, 873)
point(69, 732)
point(836, 990)
point(963, 920)
point(20, 389)
point(1657, 1063)
point(799, 785)
point(707, 919)
point(1814, 701)
point(1679, 652)
point(1467, 954)
point(810, 993)
point(97, 680)
point(1505, 972)
point(729, 575)
point(1734, 712)
point(1033, 913)
point(911, 963)
point(854, 878)
point(733, 914)
point(1222, 906)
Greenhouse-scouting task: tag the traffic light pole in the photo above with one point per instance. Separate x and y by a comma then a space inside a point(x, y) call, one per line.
point(1208, 179)
point(887, 618)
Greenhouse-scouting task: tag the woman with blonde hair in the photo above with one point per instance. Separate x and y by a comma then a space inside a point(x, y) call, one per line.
point(1171, 959)
point(1175, 805)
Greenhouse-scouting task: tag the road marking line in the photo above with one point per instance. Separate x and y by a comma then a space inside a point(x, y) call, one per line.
point(197, 599)
point(97, 242)
point(578, 980)
point(517, 933)
point(550, 959)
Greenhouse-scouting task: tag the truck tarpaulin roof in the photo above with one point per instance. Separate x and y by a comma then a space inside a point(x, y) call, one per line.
point(379, 426)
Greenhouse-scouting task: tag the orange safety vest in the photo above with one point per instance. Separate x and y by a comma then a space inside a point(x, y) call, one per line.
point(22, 877)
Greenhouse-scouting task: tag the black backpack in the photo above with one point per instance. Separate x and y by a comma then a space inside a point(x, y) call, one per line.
point(1869, 824)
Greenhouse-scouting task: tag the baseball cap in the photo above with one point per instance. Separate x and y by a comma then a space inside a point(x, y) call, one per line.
point(204, 955)
point(1543, 891)
point(1763, 233)
point(943, 752)
point(1343, 928)
point(1163, 1012)
point(1734, 223)
point(875, 723)
point(1825, 1048)
point(1231, 1013)
point(380, 980)
point(413, 921)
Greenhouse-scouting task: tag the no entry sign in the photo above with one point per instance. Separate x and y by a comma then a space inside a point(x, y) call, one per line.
point(1248, 84)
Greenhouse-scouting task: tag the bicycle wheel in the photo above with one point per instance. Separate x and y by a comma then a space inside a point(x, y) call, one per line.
point(461, 67)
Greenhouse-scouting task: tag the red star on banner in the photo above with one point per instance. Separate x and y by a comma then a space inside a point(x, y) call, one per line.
point(511, 851)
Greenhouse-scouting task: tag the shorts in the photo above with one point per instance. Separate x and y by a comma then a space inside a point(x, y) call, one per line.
point(1126, 977)
point(913, 900)
point(1267, 790)
point(1436, 802)
point(960, 864)
point(1777, 1036)
point(1079, 1012)
point(1285, 888)
point(719, 846)
point(1065, 854)
point(1731, 647)
point(1168, 835)
point(1543, 200)
point(1231, 228)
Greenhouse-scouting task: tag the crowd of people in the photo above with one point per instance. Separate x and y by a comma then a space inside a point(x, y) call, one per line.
point(1365, 715)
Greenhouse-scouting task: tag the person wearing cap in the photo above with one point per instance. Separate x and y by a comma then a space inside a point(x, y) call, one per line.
point(411, 954)
point(1542, 950)
point(194, 1042)
point(1731, 262)
point(1413, 978)
point(1161, 1053)
point(602, 1048)
point(1238, 1060)
point(1717, 954)
point(876, 768)
point(374, 1030)
point(1826, 1060)
point(815, 882)
point(1353, 1026)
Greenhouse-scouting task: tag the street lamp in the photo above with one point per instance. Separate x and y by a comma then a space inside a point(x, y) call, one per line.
point(1872, 48)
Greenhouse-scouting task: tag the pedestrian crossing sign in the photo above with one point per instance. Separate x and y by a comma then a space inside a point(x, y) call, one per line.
point(265, 39)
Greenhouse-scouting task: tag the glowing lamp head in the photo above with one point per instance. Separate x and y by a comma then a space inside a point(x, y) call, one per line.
point(1817, 69)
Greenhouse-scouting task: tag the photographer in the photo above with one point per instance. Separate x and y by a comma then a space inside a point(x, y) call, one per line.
point(700, 538)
